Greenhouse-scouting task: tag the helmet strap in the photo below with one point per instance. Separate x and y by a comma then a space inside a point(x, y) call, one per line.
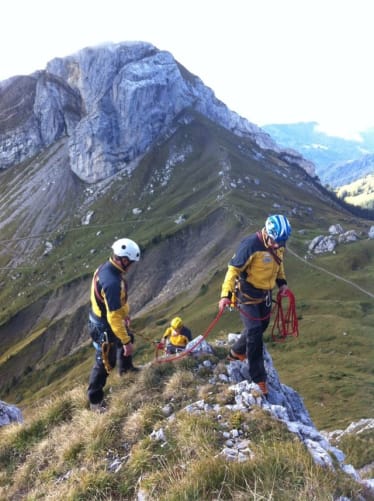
point(126, 263)
point(122, 262)
point(268, 241)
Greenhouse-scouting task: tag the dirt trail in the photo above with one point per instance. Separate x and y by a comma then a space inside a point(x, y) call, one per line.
point(338, 277)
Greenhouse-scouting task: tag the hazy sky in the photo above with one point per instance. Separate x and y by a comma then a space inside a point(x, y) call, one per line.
point(271, 61)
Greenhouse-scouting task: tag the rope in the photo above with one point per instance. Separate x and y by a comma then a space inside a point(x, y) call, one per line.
point(187, 352)
point(285, 322)
point(245, 314)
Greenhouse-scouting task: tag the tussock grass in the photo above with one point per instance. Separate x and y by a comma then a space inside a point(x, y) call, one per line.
point(65, 451)
point(180, 386)
point(359, 449)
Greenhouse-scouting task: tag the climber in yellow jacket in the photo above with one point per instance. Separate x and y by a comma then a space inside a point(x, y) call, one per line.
point(109, 325)
point(253, 271)
point(176, 336)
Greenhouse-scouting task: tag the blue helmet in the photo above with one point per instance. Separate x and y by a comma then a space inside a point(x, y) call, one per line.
point(278, 228)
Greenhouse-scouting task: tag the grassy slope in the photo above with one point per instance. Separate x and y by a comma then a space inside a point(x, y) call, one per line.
point(359, 192)
point(66, 452)
point(329, 364)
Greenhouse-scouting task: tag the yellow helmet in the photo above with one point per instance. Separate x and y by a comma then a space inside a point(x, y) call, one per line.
point(176, 323)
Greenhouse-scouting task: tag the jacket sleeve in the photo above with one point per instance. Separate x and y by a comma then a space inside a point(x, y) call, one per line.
point(228, 285)
point(167, 333)
point(116, 320)
point(238, 262)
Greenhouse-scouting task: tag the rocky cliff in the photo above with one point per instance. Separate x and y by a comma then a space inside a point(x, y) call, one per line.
point(112, 102)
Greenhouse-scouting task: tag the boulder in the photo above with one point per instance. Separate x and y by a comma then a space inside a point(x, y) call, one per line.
point(9, 414)
point(335, 229)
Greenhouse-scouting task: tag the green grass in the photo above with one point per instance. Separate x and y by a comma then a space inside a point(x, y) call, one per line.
point(64, 451)
point(330, 364)
point(359, 192)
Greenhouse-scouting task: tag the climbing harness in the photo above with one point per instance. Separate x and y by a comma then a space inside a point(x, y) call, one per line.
point(285, 322)
point(267, 299)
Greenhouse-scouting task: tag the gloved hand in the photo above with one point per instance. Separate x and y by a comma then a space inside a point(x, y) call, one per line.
point(283, 290)
point(223, 303)
point(160, 345)
point(128, 349)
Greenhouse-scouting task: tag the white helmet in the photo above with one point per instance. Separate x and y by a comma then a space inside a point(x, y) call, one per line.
point(124, 247)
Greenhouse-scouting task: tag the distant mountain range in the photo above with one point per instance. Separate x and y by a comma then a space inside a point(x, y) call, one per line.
point(338, 161)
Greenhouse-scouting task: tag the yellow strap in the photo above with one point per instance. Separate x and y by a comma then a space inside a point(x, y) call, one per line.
point(105, 348)
point(250, 300)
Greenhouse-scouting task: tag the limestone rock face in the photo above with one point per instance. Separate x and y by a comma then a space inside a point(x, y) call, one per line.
point(9, 414)
point(132, 94)
point(113, 102)
point(336, 229)
point(348, 236)
point(322, 244)
point(35, 111)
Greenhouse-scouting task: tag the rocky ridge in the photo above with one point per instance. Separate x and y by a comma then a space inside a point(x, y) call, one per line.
point(327, 243)
point(112, 102)
point(283, 403)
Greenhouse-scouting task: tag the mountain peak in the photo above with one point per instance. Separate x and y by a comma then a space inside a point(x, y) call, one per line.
point(112, 102)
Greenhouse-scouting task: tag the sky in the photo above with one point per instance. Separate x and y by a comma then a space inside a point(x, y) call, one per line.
point(271, 61)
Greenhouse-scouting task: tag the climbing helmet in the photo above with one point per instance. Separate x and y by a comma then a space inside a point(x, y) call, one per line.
point(278, 228)
point(176, 323)
point(124, 247)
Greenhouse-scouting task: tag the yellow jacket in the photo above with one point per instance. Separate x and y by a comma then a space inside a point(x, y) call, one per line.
point(178, 338)
point(256, 267)
point(109, 298)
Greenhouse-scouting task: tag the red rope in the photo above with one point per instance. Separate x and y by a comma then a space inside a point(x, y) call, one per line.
point(244, 313)
point(184, 353)
point(285, 322)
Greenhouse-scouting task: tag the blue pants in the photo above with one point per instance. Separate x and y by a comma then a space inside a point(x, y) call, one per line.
point(255, 318)
point(116, 357)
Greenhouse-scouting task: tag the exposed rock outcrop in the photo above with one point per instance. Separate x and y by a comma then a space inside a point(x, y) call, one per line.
point(112, 102)
point(322, 244)
point(9, 414)
point(35, 111)
point(283, 403)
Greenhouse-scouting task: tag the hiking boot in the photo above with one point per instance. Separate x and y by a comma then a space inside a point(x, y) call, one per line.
point(100, 408)
point(134, 369)
point(233, 356)
point(263, 387)
point(130, 369)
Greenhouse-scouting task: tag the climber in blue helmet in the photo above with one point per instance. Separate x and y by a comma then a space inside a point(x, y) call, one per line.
point(252, 273)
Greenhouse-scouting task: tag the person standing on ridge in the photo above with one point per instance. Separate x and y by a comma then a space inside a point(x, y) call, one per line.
point(109, 319)
point(252, 273)
point(176, 336)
